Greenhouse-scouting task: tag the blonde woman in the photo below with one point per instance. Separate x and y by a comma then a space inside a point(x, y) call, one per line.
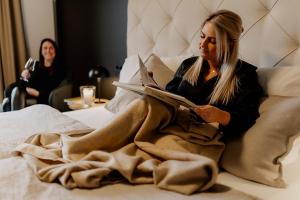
point(152, 142)
point(225, 88)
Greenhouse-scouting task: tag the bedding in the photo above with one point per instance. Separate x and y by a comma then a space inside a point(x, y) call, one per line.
point(16, 127)
point(55, 122)
point(243, 157)
point(280, 81)
point(260, 154)
point(137, 146)
point(170, 29)
point(24, 184)
point(290, 170)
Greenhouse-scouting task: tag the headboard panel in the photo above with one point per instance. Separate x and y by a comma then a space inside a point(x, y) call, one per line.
point(171, 27)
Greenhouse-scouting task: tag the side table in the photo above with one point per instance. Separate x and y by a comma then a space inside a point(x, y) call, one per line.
point(75, 103)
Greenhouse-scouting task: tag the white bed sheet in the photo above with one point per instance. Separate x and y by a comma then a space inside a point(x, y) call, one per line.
point(97, 117)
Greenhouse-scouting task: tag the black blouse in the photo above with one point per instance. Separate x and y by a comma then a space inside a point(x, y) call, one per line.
point(45, 81)
point(243, 107)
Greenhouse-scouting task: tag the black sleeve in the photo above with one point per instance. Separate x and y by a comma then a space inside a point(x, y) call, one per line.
point(53, 82)
point(244, 106)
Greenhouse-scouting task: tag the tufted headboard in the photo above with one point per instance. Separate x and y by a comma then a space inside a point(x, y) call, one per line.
point(271, 34)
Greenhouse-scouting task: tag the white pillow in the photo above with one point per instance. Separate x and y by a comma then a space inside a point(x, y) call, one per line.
point(280, 81)
point(129, 68)
point(259, 153)
point(262, 151)
point(174, 62)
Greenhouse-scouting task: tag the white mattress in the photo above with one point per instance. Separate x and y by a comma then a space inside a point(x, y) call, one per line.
point(97, 117)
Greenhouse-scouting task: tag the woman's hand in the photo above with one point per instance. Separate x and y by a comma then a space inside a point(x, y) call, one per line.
point(211, 113)
point(32, 91)
point(25, 74)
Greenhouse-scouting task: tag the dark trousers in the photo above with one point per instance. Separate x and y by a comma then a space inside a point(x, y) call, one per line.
point(19, 83)
point(8, 90)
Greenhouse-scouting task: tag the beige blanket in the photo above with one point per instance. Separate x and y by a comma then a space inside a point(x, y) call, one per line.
point(147, 143)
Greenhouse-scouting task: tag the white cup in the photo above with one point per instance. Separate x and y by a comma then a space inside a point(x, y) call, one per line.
point(87, 93)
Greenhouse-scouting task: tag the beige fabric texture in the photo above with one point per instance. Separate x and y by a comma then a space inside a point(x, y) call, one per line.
point(139, 144)
point(20, 183)
point(161, 74)
point(257, 155)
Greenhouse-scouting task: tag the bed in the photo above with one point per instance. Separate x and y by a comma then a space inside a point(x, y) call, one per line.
point(263, 164)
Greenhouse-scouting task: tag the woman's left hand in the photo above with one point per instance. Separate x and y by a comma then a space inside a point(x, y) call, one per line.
point(32, 91)
point(211, 113)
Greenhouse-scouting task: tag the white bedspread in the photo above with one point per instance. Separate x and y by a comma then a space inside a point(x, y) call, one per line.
point(16, 126)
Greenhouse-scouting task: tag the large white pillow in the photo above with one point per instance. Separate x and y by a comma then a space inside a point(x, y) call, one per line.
point(262, 151)
point(174, 62)
point(258, 154)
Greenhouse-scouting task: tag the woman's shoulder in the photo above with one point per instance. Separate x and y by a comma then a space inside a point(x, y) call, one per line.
point(244, 67)
point(185, 65)
point(190, 60)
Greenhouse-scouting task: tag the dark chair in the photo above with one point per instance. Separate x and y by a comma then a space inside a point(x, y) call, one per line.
point(55, 99)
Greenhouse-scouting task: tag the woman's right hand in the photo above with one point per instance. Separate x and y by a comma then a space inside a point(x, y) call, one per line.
point(211, 113)
point(25, 74)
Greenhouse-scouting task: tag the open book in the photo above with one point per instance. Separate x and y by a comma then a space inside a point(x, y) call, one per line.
point(150, 87)
point(167, 97)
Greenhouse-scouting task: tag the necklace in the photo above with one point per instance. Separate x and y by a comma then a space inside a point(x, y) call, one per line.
point(213, 71)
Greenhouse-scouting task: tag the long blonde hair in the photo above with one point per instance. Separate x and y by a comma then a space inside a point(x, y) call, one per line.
point(228, 28)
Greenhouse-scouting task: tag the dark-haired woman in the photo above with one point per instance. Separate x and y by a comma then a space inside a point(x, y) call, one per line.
point(46, 75)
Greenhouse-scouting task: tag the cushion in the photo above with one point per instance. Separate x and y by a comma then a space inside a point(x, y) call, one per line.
point(174, 62)
point(161, 74)
point(129, 68)
point(257, 155)
point(281, 81)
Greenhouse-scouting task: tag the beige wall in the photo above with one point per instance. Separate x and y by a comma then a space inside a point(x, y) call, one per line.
point(38, 18)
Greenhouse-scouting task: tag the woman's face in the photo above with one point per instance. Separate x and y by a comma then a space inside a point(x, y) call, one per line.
point(207, 44)
point(48, 51)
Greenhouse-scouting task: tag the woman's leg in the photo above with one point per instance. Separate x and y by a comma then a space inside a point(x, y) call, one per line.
point(6, 103)
point(137, 122)
point(129, 144)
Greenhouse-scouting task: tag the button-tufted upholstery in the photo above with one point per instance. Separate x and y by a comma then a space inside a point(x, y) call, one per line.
point(271, 34)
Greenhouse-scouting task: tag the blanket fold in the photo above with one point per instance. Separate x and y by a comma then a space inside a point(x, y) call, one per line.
point(143, 145)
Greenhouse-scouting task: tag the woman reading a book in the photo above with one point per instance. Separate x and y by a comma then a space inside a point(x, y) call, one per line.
point(40, 79)
point(225, 88)
point(153, 142)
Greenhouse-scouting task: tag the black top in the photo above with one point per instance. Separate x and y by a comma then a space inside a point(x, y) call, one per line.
point(243, 107)
point(44, 80)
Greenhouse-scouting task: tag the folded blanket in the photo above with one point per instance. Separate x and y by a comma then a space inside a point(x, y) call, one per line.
point(143, 144)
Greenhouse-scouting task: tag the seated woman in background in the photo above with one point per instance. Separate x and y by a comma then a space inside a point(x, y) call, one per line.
point(46, 75)
point(150, 133)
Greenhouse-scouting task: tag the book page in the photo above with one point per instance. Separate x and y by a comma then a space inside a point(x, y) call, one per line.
point(165, 94)
point(167, 97)
point(145, 76)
